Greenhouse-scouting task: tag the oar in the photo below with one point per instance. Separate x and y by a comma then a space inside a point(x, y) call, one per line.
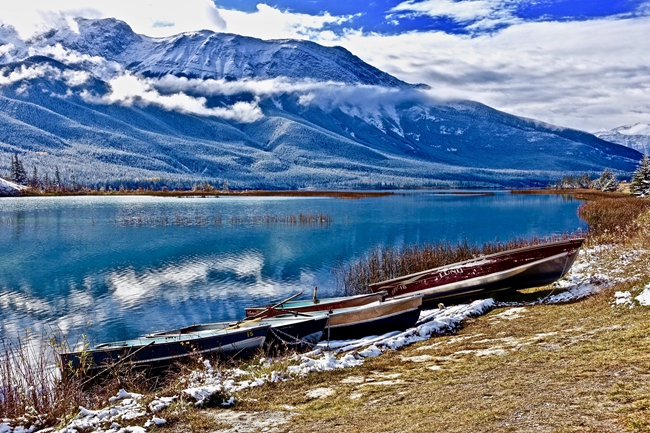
point(260, 315)
point(273, 307)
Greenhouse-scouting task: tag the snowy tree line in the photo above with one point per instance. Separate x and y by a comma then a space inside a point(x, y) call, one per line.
point(608, 182)
point(640, 184)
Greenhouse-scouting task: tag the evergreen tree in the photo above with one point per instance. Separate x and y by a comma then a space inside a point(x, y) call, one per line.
point(18, 174)
point(57, 178)
point(34, 182)
point(608, 181)
point(640, 185)
point(12, 169)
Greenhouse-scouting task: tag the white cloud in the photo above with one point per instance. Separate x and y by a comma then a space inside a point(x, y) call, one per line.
point(99, 66)
point(25, 73)
point(326, 95)
point(458, 10)
point(154, 18)
point(271, 23)
point(128, 90)
point(589, 75)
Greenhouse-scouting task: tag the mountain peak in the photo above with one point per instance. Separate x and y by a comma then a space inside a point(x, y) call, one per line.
point(635, 135)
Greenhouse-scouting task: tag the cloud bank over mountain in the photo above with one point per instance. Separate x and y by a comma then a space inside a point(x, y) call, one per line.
point(576, 64)
point(105, 102)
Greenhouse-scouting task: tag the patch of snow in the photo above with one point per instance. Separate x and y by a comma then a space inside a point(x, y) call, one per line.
point(320, 392)
point(370, 352)
point(623, 298)
point(161, 403)
point(419, 358)
point(384, 383)
point(644, 297)
point(9, 188)
point(353, 379)
point(510, 314)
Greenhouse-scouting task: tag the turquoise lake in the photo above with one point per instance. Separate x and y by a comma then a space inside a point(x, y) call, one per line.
point(118, 267)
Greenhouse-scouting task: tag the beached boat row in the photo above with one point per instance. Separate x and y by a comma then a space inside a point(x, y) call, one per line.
point(393, 305)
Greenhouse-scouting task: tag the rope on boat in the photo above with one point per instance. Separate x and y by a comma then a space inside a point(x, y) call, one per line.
point(564, 271)
point(328, 332)
point(293, 341)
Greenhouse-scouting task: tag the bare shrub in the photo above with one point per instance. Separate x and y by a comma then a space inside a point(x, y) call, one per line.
point(30, 383)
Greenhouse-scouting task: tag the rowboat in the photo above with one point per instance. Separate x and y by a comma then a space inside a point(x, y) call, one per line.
point(311, 305)
point(516, 269)
point(164, 348)
point(374, 318)
point(288, 328)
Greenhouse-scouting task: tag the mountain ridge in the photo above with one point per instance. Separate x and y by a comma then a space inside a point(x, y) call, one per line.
point(107, 108)
point(635, 136)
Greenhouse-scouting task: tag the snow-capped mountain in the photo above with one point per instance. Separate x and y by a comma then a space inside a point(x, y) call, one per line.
point(636, 136)
point(102, 102)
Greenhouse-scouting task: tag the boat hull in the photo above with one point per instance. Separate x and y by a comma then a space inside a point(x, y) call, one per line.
point(373, 319)
point(517, 269)
point(162, 349)
point(286, 328)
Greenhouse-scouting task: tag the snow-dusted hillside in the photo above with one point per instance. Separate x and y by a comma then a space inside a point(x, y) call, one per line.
point(636, 136)
point(103, 103)
point(9, 189)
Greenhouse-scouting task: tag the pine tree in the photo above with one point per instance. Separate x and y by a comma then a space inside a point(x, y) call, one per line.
point(57, 178)
point(640, 185)
point(34, 182)
point(608, 181)
point(18, 174)
point(12, 169)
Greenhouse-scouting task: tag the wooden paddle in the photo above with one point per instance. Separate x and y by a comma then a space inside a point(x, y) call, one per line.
point(260, 315)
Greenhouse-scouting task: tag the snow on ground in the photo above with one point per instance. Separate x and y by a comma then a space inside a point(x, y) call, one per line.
point(9, 189)
point(208, 385)
point(644, 297)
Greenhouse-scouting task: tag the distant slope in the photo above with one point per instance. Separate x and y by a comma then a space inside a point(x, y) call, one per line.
point(106, 104)
point(635, 136)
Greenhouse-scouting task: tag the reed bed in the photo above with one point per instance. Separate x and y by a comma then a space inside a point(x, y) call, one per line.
point(33, 391)
point(385, 263)
point(31, 388)
point(141, 220)
point(614, 220)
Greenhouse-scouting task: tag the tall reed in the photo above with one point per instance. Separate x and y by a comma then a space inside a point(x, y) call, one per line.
point(31, 388)
point(613, 219)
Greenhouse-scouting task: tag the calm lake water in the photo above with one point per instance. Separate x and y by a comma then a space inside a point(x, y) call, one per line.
point(119, 267)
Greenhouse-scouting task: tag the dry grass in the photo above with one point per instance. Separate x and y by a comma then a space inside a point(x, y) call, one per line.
point(613, 219)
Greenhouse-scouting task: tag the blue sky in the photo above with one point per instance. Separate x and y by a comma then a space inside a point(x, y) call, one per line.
point(576, 63)
point(395, 17)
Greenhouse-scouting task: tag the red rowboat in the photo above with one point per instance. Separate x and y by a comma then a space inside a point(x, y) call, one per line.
point(520, 268)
